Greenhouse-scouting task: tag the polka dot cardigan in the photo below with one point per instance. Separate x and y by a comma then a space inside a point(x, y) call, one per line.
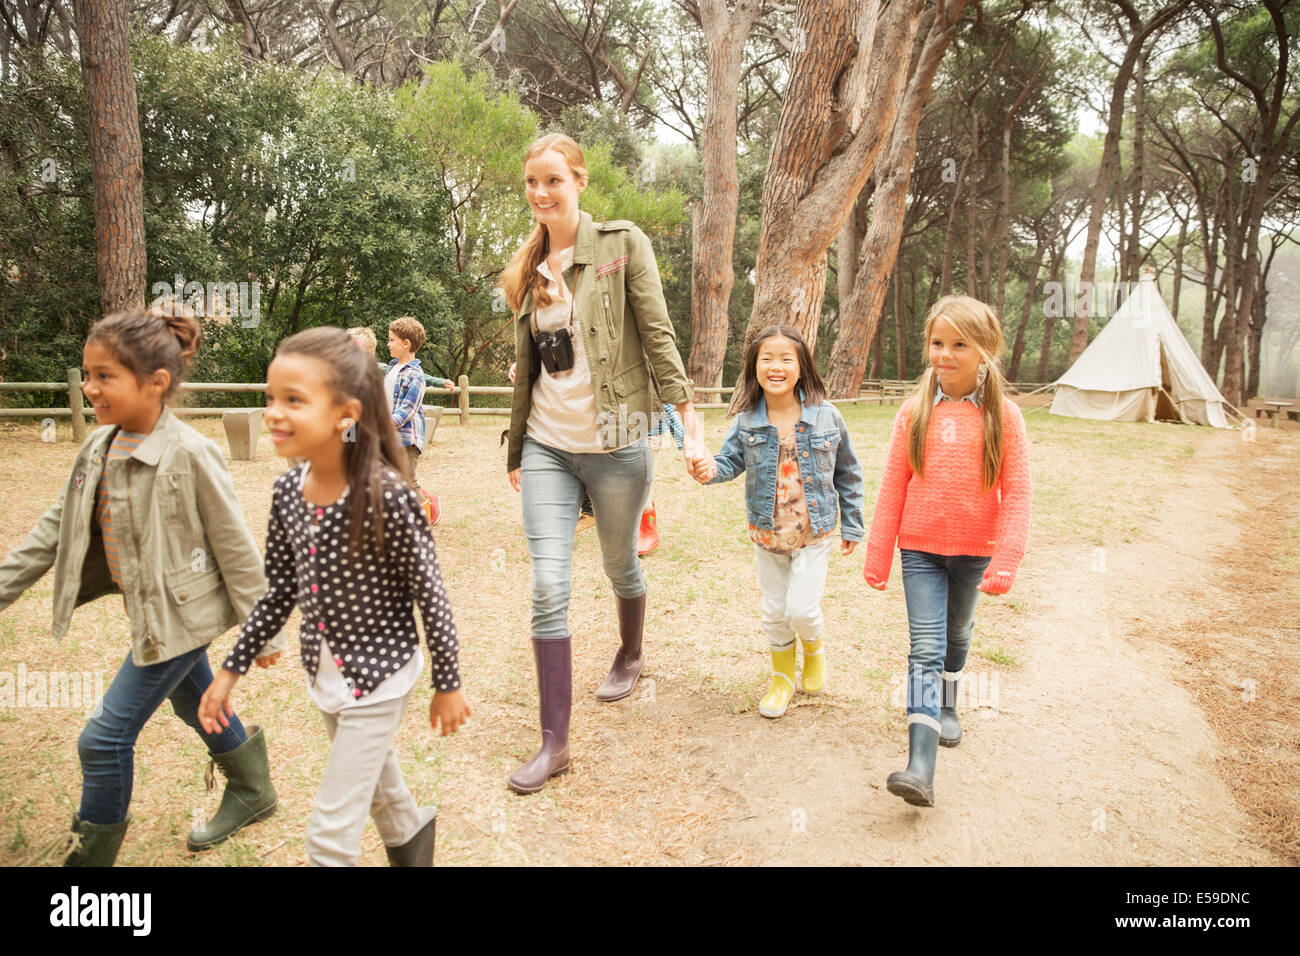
point(363, 606)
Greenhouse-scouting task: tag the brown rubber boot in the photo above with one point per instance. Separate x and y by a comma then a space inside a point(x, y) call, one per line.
point(555, 689)
point(627, 662)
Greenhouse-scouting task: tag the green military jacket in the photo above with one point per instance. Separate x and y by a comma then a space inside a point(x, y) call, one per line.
point(629, 339)
point(190, 567)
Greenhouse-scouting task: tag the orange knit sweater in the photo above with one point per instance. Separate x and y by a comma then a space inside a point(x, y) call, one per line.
point(946, 511)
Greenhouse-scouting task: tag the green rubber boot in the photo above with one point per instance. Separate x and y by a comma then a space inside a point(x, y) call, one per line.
point(95, 844)
point(249, 796)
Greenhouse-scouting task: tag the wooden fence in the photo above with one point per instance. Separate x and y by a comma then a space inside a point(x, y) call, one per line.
point(878, 392)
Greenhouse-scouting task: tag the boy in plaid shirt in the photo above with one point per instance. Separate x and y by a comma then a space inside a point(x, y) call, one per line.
point(404, 385)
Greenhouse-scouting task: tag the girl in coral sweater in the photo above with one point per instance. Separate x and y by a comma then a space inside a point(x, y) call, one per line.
point(955, 496)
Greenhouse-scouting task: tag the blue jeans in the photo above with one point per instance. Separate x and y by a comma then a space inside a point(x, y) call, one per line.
point(551, 482)
point(941, 591)
point(107, 745)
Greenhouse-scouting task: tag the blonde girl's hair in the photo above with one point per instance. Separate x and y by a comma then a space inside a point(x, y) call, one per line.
point(977, 325)
point(366, 336)
point(521, 276)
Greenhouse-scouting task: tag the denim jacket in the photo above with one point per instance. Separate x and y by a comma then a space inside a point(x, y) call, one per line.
point(829, 468)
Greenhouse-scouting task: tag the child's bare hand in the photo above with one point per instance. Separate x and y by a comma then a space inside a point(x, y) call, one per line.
point(450, 709)
point(848, 547)
point(215, 708)
point(268, 660)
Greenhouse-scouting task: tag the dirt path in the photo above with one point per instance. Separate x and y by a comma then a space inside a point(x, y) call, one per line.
point(1134, 703)
point(1097, 753)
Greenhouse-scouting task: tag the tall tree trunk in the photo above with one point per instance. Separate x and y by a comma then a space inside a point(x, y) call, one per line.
point(945, 282)
point(714, 232)
point(846, 81)
point(1017, 350)
point(972, 204)
point(1209, 267)
point(861, 310)
point(1133, 248)
point(847, 250)
point(878, 348)
point(1004, 200)
point(1179, 250)
point(900, 331)
point(1105, 171)
point(1049, 321)
point(117, 166)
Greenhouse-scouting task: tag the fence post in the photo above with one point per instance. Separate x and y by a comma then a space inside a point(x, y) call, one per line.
point(463, 384)
point(75, 403)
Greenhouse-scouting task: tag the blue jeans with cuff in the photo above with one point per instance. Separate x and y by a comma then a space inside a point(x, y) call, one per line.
point(107, 744)
point(941, 591)
point(551, 483)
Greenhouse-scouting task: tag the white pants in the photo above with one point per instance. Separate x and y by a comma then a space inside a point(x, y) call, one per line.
point(362, 779)
point(793, 585)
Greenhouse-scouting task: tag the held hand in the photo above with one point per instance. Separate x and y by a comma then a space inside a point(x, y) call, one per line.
point(214, 708)
point(451, 386)
point(450, 709)
point(515, 478)
point(705, 471)
point(996, 582)
point(268, 660)
point(847, 547)
point(698, 459)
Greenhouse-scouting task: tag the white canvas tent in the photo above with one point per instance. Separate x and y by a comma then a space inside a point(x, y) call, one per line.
point(1140, 368)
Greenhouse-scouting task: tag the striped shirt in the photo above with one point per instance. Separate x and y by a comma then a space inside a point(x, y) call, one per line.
point(123, 446)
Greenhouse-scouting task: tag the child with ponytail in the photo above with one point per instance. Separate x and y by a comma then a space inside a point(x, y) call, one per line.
point(149, 512)
point(348, 543)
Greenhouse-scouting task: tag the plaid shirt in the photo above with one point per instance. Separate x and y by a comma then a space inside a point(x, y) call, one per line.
point(670, 422)
point(407, 403)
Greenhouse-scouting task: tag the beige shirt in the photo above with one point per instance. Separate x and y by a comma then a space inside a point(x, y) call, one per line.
point(563, 415)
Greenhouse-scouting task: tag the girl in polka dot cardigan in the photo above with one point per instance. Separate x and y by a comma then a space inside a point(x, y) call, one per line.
point(348, 543)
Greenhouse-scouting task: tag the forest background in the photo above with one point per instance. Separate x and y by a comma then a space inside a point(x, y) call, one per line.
point(834, 164)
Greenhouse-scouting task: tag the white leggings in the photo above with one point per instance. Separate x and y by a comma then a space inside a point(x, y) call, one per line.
point(362, 779)
point(793, 585)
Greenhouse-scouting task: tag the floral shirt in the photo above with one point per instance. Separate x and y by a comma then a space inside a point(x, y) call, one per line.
point(790, 525)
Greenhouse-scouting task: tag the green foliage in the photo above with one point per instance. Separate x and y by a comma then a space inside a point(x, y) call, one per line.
point(471, 133)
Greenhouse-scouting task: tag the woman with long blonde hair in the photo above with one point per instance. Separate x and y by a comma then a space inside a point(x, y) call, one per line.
point(955, 498)
point(595, 361)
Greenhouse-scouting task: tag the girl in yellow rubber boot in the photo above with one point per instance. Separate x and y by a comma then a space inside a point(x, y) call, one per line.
point(800, 476)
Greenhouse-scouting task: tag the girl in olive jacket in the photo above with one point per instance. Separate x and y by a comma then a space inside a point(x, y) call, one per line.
point(149, 512)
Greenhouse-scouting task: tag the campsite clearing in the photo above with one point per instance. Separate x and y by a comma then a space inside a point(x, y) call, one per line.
point(1130, 700)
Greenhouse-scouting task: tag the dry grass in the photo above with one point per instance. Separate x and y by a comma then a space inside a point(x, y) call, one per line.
point(1243, 662)
point(643, 788)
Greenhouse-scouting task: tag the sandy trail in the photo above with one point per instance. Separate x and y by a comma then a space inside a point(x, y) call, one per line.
point(1095, 754)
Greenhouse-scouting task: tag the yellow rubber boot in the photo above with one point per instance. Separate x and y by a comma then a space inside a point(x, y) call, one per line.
point(814, 667)
point(778, 695)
